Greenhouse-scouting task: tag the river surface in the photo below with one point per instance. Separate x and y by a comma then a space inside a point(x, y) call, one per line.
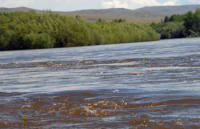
point(135, 85)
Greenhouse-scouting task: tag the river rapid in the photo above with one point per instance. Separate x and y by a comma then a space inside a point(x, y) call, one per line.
point(135, 85)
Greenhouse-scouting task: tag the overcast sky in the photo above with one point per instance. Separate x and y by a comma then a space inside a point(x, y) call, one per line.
point(71, 5)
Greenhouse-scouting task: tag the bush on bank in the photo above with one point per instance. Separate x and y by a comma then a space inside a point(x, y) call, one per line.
point(32, 30)
point(179, 26)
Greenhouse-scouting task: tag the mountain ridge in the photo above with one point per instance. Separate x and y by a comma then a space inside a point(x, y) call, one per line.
point(148, 11)
point(178, 9)
point(146, 14)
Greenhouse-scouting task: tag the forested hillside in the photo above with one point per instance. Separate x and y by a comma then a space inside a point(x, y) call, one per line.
point(32, 30)
point(179, 26)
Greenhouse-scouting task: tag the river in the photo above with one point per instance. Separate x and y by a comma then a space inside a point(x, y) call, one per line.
point(135, 85)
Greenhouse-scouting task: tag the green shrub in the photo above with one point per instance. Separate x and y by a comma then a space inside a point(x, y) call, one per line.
point(30, 30)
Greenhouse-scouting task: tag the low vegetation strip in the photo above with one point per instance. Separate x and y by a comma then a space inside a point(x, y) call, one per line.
point(31, 30)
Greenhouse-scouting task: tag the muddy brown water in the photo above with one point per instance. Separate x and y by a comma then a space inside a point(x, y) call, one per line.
point(136, 85)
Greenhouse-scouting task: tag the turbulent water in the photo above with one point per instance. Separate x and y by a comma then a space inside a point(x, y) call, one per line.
point(135, 85)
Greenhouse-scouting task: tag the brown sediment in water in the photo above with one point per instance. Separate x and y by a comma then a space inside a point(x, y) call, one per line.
point(42, 110)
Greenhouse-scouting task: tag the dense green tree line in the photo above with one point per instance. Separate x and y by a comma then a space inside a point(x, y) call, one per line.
point(179, 26)
point(170, 30)
point(32, 30)
point(192, 23)
point(174, 18)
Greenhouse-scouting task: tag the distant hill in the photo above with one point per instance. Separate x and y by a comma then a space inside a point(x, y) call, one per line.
point(122, 12)
point(2, 9)
point(145, 12)
point(119, 9)
point(171, 9)
point(142, 15)
point(151, 11)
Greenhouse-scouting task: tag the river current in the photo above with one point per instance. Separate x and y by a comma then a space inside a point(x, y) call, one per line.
point(135, 85)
